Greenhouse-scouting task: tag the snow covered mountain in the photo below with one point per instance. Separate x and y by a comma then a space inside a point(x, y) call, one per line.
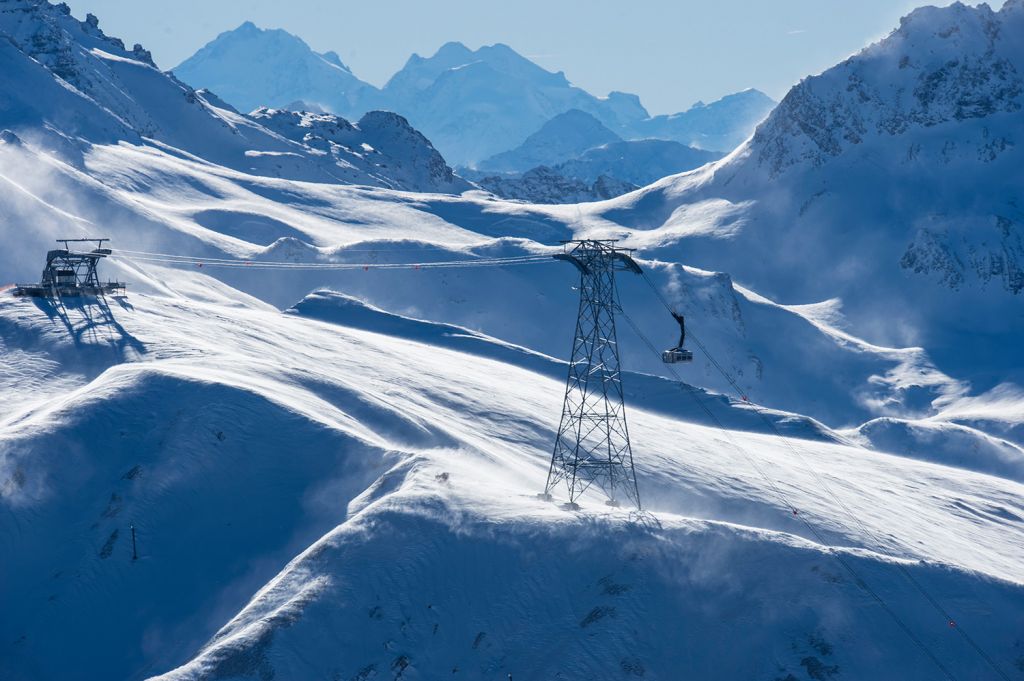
point(475, 103)
point(253, 67)
point(67, 85)
point(332, 473)
point(565, 136)
point(264, 468)
point(721, 125)
point(383, 144)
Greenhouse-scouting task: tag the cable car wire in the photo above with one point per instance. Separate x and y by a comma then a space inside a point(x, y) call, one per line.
point(173, 259)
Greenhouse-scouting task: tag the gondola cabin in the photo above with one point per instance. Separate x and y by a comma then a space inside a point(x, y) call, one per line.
point(676, 355)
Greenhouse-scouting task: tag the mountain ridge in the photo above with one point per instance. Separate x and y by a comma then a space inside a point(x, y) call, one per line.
point(452, 97)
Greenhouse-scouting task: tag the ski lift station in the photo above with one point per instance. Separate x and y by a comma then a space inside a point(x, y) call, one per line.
point(72, 273)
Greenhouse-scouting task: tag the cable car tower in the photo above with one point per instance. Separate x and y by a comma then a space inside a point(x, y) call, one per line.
point(592, 445)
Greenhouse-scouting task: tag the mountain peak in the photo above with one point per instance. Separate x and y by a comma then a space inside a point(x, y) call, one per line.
point(575, 118)
point(452, 48)
point(333, 58)
point(500, 48)
point(225, 66)
point(565, 136)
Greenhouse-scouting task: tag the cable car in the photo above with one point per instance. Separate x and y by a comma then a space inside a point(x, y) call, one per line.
point(679, 353)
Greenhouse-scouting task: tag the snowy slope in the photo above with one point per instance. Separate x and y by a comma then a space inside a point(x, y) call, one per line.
point(154, 202)
point(253, 67)
point(201, 210)
point(371, 422)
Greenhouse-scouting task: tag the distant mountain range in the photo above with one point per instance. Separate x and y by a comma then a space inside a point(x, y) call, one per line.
point(471, 104)
point(573, 158)
point(548, 185)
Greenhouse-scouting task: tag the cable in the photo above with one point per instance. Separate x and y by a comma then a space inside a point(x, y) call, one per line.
point(784, 500)
point(238, 261)
point(828, 490)
point(368, 250)
point(171, 259)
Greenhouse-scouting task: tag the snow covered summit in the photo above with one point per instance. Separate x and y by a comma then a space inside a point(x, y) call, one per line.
point(253, 67)
point(941, 66)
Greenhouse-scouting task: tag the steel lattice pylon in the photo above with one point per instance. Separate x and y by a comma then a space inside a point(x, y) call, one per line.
point(592, 446)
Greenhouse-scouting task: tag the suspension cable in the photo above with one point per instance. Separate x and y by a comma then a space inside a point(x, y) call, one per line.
point(172, 259)
point(936, 605)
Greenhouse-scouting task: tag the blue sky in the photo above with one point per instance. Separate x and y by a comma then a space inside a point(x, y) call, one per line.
point(670, 52)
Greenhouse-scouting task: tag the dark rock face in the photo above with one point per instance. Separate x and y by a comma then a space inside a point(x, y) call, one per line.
point(383, 141)
point(544, 185)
